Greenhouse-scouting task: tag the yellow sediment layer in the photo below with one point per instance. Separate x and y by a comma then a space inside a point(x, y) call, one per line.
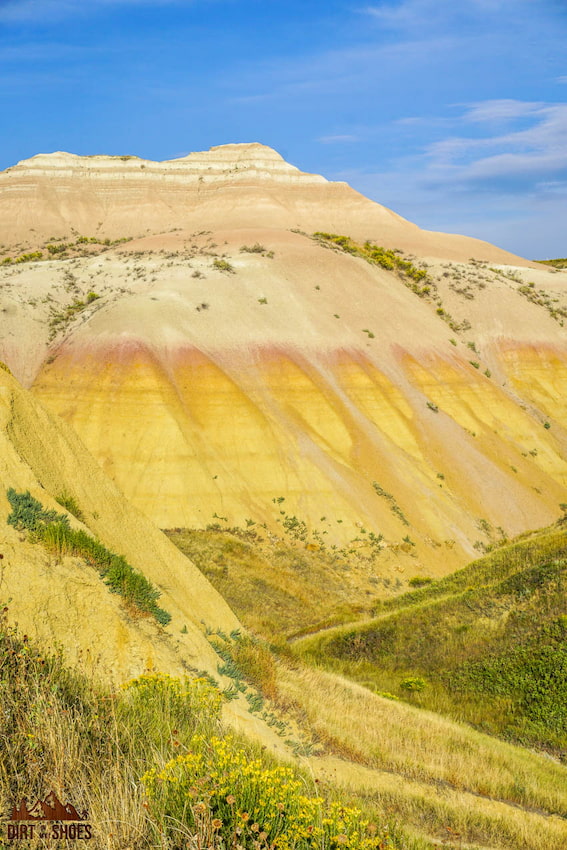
point(307, 407)
point(486, 411)
point(186, 441)
point(381, 401)
point(540, 376)
point(187, 437)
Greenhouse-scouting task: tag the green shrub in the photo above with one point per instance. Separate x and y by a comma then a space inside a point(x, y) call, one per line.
point(419, 581)
point(28, 514)
point(224, 266)
point(414, 684)
point(28, 258)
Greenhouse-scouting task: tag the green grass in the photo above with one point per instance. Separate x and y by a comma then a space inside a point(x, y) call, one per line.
point(489, 643)
point(67, 501)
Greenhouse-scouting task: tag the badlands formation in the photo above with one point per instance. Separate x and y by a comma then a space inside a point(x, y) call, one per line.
point(293, 381)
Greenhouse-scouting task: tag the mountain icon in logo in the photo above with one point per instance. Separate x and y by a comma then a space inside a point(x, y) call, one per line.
point(49, 809)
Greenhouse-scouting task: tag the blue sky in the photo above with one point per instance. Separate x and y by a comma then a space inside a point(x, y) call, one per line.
point(453, 113)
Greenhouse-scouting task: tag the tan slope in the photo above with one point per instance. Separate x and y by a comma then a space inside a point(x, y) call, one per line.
point(311, 376)
point(247, 185)
point(67, 603)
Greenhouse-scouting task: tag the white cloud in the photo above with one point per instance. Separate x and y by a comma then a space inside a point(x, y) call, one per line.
point(502, 110)
point(509, 188)
point(533, 155)
point(330, 140)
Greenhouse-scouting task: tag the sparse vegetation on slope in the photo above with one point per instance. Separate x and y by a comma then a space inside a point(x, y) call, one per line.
point(489, 643)
point(59, 320)
point(415, 278)
point(544, 299)
point(54, 532)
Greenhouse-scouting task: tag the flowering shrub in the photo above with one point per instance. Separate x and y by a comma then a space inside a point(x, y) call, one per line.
point(232, 801)
point(168, 711)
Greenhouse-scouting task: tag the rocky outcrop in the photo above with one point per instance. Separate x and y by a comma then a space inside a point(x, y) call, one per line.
point(236, 185)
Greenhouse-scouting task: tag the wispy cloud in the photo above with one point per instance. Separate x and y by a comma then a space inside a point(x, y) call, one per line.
point(509, 187)
point(338, 139)
point(428, 14)
point(342, 72)
point(502, 110)
point(534, 155)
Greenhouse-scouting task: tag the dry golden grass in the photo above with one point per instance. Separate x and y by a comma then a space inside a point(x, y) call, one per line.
point(434, 772)
point(78, 754)
point(443, 817)
point(277, 587)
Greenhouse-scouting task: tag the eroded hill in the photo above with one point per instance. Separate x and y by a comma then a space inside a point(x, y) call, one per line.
point(241, 370)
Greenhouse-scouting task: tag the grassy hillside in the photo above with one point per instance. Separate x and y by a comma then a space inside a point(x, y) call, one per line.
point(559, 263)
point(446, 781)
point(278, 587)
point(155, 767)
point(487, 644)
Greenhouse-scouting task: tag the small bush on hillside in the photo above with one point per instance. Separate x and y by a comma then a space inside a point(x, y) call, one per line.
point(57, 249)
point(70, 504)
point(253, 249)
point(28, 258)
point(28, 514)
point(413, 683)
point(224, 266)
point(419, 581)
